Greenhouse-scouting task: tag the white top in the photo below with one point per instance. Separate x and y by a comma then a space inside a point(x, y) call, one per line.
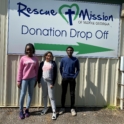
point(47, 70)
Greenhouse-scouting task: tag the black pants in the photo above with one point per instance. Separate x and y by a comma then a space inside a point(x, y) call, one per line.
point(72, 84)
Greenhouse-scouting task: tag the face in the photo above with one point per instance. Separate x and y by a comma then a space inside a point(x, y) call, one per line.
point(49, 57)
point(69, 52)
point(29, 51)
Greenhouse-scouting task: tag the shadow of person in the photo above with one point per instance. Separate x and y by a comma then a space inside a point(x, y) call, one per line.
point(93, 96)
point(93, 99)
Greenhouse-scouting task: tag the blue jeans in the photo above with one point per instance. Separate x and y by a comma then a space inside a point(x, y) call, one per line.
point(28, 83)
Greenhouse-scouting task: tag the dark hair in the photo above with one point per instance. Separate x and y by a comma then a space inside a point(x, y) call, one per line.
point(70, 48)
point(31, 45)
point(47, 54)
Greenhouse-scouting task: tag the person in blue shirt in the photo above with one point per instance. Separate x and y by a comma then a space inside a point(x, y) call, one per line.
point(69, 69)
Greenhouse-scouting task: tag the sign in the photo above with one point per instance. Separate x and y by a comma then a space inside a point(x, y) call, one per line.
point(91, 28)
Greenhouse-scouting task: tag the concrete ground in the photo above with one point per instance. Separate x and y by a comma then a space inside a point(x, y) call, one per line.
point(84, 116)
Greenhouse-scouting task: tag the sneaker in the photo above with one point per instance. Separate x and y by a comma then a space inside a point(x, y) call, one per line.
point(62, 110)
point(54, 116)
point(27, 113)
point(73, 112)
point(21, 115)
point(44, 111)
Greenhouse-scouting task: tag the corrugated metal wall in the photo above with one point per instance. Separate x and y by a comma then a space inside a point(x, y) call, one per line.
point(3, 56)
point(97, 82)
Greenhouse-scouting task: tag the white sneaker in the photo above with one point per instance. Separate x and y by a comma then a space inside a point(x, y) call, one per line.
point(44, 111)
point(73, 112)
point(61, 111)
point(54, 116)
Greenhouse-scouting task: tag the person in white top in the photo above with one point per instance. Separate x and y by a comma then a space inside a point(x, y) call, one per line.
point(47, 70)
point(46, 78)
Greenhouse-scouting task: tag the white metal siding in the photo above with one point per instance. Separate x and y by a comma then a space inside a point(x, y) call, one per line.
point(3, 57)
point(97, 82)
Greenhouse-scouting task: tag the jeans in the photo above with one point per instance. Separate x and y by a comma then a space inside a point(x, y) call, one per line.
point(72, 83)
point(28, 83)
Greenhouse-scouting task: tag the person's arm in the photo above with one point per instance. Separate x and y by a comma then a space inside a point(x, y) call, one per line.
point(39, 72)
point(61, 67)
point(20, 72)
point(37, 67)
point(55, 73)
point(77, 69)
point(36, 70)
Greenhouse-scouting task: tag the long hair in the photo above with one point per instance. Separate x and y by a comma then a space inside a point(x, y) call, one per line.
point(47, 54)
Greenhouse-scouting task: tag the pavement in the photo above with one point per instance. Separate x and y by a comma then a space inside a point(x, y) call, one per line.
point(84, 116)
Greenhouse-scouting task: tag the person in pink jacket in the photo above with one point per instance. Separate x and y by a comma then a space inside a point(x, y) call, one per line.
point(27, 78)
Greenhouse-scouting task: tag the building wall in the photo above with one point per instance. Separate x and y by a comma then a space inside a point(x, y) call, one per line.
point(97, 83)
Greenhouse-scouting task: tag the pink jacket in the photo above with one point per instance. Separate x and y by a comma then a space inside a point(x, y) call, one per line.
point(28, 68)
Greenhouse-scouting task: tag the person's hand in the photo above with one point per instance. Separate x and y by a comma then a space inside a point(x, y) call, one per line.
point(19, 85)
point(39, 85)
point(51, 86)
point(35, 84)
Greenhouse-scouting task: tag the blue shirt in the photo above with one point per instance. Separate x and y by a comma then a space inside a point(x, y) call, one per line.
point(69, 67)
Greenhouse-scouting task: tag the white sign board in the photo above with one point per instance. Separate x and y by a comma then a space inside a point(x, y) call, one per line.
point(91, 28)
